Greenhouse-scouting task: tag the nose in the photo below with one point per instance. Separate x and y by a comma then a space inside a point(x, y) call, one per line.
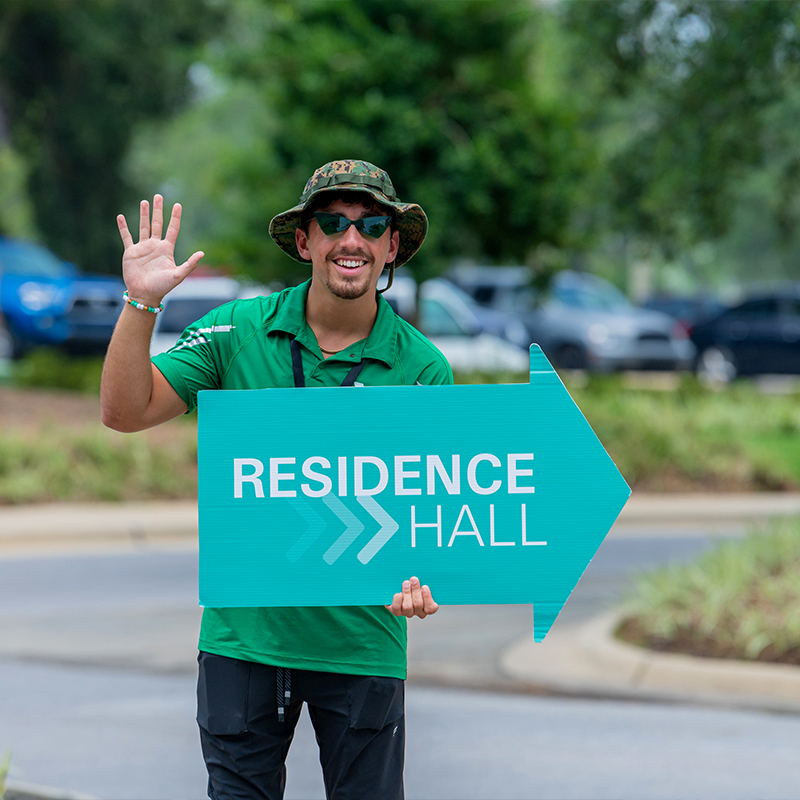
point(351, 237)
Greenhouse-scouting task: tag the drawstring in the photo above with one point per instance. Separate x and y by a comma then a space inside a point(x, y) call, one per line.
point(284, 683)
point(300, 378)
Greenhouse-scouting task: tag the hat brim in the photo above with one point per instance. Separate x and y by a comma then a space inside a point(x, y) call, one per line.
point(411, 223)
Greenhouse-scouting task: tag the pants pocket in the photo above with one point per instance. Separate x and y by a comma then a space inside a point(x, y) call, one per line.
point(222, 688)
point(375, 702)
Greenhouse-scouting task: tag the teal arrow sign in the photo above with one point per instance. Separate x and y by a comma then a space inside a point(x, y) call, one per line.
point(334, 496)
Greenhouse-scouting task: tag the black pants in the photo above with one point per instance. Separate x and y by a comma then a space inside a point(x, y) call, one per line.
point(358, 721)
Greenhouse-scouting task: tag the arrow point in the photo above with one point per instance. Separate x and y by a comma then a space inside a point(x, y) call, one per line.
point(539, 362)
point(544, 615)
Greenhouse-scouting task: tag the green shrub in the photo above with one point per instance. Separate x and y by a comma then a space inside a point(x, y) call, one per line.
point(739, 600)
point(52, 369)
point(61, 465)
point(692, 438)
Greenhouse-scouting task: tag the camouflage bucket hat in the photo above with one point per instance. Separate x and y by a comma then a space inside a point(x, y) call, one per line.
point(353, 176)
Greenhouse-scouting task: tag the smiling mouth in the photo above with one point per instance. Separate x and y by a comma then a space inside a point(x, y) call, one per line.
point(349, 263)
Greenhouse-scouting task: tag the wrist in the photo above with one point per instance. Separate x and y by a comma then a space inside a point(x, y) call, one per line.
point(148, 298)
point(143, 303)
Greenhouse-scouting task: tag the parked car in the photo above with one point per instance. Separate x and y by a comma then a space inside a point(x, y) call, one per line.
point(581, 321)
point(759, 336)
point(194, 298)
point(689, 310)
point(470, 338)
point(47, 301)
point(450, 318)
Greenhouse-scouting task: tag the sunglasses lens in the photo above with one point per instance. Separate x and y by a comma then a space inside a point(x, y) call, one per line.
point(331, 223)
point(374, 227)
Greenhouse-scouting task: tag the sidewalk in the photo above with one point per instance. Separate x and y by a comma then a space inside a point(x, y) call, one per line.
point(580, 659)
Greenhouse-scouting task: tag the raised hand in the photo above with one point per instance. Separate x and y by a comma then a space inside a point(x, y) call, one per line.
point(148, 267)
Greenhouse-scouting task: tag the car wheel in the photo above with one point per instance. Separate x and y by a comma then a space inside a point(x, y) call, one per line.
point(716, 366)
point(570, 356)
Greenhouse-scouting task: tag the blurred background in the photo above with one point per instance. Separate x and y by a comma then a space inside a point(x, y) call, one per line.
point(615, 180)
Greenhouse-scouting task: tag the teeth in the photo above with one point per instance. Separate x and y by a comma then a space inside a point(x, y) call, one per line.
point(346, 263)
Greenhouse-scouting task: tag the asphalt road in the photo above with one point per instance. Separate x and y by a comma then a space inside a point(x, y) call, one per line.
point(138, 610)
point(97, 694)
point(131, 737)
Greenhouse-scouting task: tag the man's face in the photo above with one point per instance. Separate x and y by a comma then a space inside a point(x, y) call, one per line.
point(347, 264)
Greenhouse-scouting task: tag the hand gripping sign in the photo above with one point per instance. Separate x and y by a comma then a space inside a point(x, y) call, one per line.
point(489, 494)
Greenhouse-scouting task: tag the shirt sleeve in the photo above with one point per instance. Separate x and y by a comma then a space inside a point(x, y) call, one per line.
point(436, 373)
point(196, 361)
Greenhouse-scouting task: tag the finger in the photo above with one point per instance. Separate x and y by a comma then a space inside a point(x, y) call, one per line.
point(127, 239)
point(189, 265)
point(144, 220)
point(174, 224)
point(416, 596)
point(397, 604)
point(158, 217)
point(407, 602)
point(431, 607)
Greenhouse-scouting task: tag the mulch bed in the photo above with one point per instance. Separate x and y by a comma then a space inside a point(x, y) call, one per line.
point(692, 643)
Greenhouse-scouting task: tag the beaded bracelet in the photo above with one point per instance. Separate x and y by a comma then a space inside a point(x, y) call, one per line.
point(142, 306)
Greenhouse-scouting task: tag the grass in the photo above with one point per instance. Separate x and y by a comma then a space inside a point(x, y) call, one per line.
point(47, 368)
point(740, 600)
point(694, 438)
point(86, 465)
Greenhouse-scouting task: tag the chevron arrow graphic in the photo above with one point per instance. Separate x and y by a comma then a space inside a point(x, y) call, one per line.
point(388, 529)
point(353, 523)
point(316, 527)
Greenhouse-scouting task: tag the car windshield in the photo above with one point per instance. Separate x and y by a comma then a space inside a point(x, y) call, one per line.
point(23, 258)
point(593, 296)
point(180, 312)
point(513, 299)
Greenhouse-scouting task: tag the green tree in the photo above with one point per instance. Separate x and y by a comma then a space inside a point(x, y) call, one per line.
point(685, 93)
point(442, 95)
point(76, 77)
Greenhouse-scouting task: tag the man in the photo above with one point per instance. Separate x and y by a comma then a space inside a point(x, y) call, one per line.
point(257, 665)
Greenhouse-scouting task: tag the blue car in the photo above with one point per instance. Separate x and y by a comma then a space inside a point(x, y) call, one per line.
point(47, 301)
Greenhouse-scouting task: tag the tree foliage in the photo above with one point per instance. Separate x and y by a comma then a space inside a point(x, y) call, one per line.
point(688, 94)
point(76, 77)
point(441, 95)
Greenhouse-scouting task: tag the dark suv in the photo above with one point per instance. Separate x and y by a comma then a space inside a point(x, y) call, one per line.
point(759, 336)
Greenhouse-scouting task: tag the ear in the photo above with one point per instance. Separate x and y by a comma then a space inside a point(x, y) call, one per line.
point(301, 240)
point(394, 246)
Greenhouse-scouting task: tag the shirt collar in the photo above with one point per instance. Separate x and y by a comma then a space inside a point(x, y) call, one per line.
point(381, 344)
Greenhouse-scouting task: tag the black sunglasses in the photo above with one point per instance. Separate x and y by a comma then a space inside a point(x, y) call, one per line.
point(331, 224)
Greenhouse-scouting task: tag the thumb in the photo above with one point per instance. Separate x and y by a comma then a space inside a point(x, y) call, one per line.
point(189, 265)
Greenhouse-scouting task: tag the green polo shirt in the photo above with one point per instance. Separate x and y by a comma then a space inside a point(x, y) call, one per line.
point(246, 345)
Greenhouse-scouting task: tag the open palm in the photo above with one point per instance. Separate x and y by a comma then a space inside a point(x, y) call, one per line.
point(148, 267)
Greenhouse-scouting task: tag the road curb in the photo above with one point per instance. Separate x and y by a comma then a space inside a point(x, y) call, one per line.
point(722, 507)
point(607, 667)
point(60, 525)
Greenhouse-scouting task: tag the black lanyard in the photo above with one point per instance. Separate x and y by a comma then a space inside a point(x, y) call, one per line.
point(300, 378)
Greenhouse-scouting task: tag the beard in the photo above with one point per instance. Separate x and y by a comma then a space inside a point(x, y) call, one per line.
point(348, 288)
